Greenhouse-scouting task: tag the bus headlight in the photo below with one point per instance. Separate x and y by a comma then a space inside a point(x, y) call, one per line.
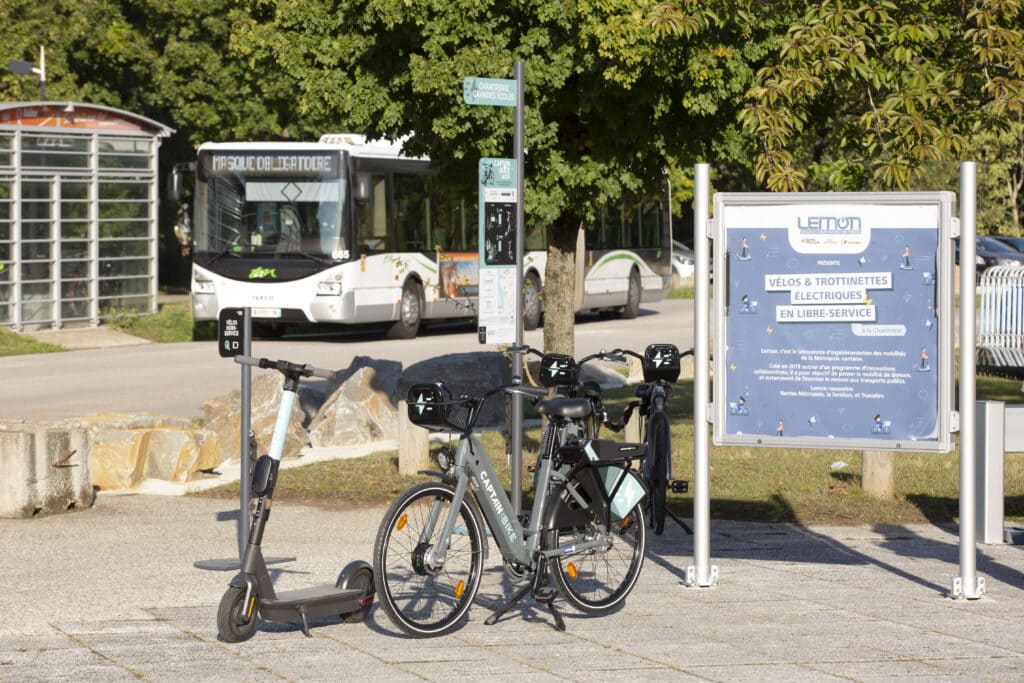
point(202, 286)
point(328, 288)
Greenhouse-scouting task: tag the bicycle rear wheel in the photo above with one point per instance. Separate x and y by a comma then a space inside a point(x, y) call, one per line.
point(420, 599)
point(659, 450)
point(595, 581)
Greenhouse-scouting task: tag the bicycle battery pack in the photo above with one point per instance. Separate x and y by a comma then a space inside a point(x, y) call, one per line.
point(558, 370)
point(264, 474)
point(430, 406)
point(603, 482)
point(661, 362)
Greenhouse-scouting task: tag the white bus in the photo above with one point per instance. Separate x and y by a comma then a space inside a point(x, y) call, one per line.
point(350, 231)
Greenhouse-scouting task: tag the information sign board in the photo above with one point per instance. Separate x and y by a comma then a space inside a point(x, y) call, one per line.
point(835, 329)
point(497, 300)
point(230, 328)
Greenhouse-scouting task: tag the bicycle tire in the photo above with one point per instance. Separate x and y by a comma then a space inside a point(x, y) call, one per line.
point(420, 601)
point(659, 450)
point(598, 580)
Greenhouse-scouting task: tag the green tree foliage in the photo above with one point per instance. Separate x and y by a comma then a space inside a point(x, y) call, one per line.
point(871, 94)
point(607, 98)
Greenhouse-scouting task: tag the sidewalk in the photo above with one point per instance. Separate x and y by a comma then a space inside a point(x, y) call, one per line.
point(110, 593)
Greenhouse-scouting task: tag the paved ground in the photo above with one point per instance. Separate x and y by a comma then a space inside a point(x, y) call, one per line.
point(111, 593)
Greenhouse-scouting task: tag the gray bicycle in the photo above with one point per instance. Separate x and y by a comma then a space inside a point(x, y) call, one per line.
point(585, 532)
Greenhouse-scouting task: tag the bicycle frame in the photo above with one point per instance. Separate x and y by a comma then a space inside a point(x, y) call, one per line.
point(473, 467)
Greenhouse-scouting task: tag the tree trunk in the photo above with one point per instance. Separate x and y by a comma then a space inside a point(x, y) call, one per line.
point(560, 287)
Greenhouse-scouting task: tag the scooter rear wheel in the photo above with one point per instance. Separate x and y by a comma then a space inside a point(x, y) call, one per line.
point(233, 624)
point(361, 578)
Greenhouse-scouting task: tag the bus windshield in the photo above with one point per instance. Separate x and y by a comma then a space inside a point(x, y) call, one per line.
point(270, 203)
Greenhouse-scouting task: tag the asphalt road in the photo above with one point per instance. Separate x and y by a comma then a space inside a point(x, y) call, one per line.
point(176, 379)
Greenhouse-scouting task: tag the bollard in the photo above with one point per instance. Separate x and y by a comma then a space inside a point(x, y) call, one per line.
point(413, 444)
point(879, 479)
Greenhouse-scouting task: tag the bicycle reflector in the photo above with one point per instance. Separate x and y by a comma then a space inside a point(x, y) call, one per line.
point(557, 370)
point(661, 362)
point(430, 406)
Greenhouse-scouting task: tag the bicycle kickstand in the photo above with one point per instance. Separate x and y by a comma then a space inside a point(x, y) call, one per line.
point(542, 593)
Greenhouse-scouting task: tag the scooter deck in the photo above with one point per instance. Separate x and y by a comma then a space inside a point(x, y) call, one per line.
point(315, 601)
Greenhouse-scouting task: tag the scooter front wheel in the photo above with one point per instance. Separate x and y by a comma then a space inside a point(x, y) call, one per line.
point(236, 619)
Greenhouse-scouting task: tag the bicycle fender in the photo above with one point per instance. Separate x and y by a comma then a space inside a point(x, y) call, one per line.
point(443, 476)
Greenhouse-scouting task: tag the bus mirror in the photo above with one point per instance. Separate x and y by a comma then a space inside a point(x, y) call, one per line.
point(361, 187)
point(176, 180)
point(174, 186)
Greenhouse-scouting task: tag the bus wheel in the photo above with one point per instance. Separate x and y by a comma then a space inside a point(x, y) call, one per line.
point(531, 302)
point(409, 311)
point(632, 307)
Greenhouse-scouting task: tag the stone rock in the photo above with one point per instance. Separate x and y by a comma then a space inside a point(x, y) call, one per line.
point(358, 406)
point(361, 410)
point(223, 417)
point(127, 449)
point(466, 373)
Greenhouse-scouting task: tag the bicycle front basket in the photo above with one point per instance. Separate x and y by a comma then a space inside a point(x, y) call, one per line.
point(661, 362)
point(557, 370)
point(430, 406)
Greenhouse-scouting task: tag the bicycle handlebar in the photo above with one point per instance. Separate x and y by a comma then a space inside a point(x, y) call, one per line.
point(286, 367)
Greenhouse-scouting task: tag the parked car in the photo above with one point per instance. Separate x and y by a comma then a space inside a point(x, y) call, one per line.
point(682, 263)
point(1012, 242)
point(989, 252)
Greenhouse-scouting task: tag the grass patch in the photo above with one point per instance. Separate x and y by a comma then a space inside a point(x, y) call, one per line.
point(171, 323)
point(749, 484)
point(14, 344)
point(681, 292)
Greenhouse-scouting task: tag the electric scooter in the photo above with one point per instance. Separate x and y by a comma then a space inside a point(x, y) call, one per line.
point(250, 595)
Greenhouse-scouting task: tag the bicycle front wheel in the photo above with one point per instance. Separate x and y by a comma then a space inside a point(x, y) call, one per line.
point(421, 596)
point(597, 580)
point(659, 450)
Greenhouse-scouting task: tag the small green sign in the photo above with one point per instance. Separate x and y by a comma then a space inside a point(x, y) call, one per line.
point(498, 92)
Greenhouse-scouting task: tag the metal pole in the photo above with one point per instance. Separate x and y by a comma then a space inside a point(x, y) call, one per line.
point(516, 437)
point(968, 584)
point(701, 573)
point(246, 414)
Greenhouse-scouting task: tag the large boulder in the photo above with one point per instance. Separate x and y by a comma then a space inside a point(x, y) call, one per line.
point(128, 449)
point(466, 373)
point(362, 409)
point(358, 406)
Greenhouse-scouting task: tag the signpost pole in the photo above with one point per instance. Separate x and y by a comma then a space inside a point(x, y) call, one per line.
point(968, 584)
point(243, 449)
point(516, 436)
point(701, 574)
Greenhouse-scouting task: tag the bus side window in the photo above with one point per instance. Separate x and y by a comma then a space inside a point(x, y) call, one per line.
point(412, 212)
point(372, 218)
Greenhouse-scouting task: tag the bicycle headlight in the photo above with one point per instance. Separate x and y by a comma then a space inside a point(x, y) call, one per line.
point(445, 458)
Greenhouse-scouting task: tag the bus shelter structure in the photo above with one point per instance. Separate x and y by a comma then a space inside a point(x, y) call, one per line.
point(78, 213)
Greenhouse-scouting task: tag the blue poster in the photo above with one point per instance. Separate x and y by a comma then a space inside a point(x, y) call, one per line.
point(831, 325)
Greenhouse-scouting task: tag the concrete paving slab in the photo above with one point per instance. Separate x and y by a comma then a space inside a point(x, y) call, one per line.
point(111, 593)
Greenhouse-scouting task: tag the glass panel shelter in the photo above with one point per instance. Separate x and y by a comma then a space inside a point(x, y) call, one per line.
point(78, 213)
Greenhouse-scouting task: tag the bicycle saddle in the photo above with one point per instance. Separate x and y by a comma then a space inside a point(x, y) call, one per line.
point(570, 408)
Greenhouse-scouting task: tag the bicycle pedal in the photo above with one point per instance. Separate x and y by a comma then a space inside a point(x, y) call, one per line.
point(679, 486)
point(545, 594)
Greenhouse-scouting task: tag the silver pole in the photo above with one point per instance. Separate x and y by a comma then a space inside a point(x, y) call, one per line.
point(968, 584)
point(701, 573)
point(516, 445)
point(245, 409)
